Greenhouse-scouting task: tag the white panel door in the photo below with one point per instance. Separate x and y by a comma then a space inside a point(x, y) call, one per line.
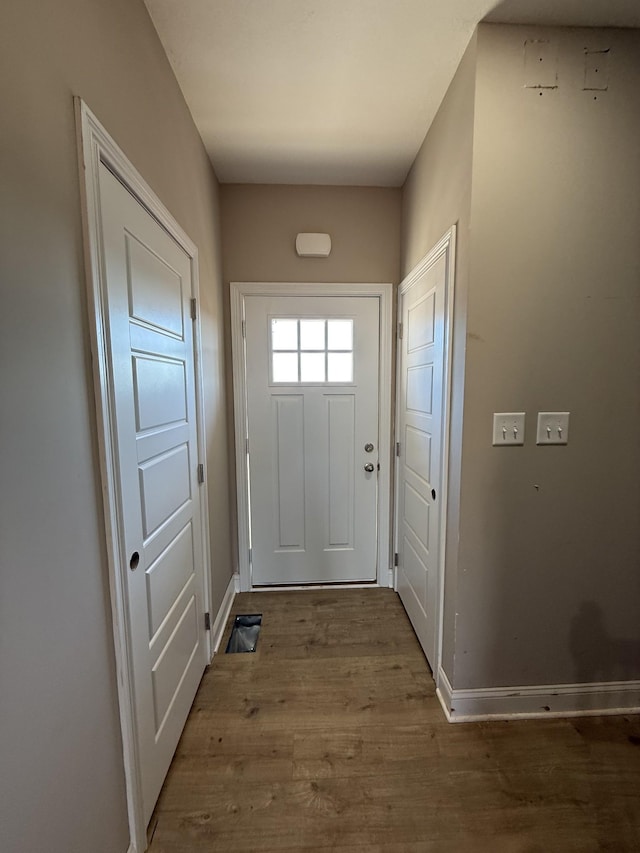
point(312, 408)
point(150, 338)
point(420, 431)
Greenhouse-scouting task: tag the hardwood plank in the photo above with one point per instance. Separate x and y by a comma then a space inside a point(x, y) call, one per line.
point(330, 737)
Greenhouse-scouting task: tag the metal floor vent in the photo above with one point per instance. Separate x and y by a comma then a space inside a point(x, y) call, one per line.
point(244, 636)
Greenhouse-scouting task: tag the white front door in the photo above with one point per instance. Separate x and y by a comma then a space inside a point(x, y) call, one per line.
point(151, 360)
point(312, 365)
point(421, 396)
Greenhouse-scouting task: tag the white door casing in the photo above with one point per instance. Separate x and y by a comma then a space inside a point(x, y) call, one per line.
point(312, 409)
point(142, 276)
point(241, 293)
point(425, 302)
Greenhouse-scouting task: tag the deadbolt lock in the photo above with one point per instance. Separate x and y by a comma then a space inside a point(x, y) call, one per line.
point(368, 447)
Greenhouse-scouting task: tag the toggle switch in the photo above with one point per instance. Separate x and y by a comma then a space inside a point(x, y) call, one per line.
point(553, 428)
point(508, 428)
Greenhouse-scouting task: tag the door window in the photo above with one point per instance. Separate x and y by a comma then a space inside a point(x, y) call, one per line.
point(311, 351)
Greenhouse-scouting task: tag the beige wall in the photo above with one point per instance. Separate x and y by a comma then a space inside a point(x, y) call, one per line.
point(260, 223)
point(437, 192)
point(62, 786)
point(437, 195)
point(544, 584)
point(549, 587)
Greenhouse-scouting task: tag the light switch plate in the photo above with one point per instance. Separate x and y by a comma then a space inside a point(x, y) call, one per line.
point(553, 428)
point(508, 428)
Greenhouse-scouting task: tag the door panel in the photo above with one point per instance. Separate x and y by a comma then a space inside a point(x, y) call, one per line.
point(159, 387)
point(150, 338)
point(341, 439)
point(416, 514)
point(155, 289)
point(420, 389)
point(172, 663)
point(421, 407)
point(288, 428)
point(312, 405)
point(167, 576)
point(159, 502)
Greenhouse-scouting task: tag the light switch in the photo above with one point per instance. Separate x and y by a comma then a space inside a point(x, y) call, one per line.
point(508, 428)
point(553, 428)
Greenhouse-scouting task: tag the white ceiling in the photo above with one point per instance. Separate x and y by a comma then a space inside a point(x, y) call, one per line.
point(332, 91)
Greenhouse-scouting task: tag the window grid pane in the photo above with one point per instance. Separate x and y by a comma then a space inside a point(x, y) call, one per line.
point(285, 367)
point(313, 335)
point(340, 335)
point(312, 367)
point(284, 335)
point(340, 367)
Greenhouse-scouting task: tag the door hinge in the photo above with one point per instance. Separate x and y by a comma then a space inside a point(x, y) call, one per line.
point(244, 328)
point(400, 331)
point(397, 448)
point(201, 473)
point(194, 309)
point(207, 621)
point(395, 559)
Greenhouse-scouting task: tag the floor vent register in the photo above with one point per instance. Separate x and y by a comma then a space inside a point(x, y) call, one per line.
point(244, 636)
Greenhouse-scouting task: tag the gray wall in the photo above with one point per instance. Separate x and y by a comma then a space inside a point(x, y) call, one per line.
point(62, 784)
point(437, 195)
point(549, 580)
point(544, 586)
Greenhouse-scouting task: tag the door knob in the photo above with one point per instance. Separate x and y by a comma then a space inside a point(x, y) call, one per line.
point(134, 561)
point(369, 467)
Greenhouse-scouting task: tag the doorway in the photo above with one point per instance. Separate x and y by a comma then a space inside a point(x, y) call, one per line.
point(312, 406)
point(425, 309)
point(143, 288)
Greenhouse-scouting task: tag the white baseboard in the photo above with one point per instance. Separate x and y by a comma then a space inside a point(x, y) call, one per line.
point(545, 700)
point(223, 613)
point(444, 691)
point(305, 587)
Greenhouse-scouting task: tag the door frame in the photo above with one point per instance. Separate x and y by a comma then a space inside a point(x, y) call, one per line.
point(446, 244)
point(239, 291)
point(95, 146)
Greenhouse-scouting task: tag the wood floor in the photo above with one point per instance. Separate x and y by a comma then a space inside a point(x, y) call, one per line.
point(330, 737)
